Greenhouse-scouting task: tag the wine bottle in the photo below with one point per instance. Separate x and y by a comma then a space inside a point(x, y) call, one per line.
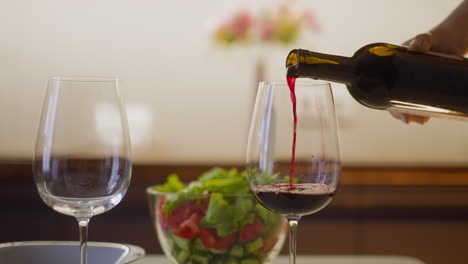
point(386, 76)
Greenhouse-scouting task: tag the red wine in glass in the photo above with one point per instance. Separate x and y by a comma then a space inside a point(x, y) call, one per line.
point(296, 199)
point(300, 179)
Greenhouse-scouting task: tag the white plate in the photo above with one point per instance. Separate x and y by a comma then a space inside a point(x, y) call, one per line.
point(60, 252)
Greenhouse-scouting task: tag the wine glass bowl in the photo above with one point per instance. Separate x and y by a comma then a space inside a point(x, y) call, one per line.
point(259, 241)
point(293, 161)
point(86, 186)
point(82, 164)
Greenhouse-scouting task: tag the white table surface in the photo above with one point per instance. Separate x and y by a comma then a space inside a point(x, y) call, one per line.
point(341, 259)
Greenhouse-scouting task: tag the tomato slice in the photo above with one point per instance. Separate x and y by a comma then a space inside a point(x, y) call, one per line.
point(182, 213)
point(207, 238)
point(226, 242)
point(190, 228)
point(251, 230)
point(162, 217)
point(210, 240)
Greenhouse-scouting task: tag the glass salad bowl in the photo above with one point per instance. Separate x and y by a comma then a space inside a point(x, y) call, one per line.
point(214, 220)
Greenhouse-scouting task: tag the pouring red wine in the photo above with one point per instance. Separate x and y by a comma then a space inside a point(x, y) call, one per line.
point(293, 161)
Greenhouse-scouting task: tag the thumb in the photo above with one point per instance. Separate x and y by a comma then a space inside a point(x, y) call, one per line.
point(421, 42)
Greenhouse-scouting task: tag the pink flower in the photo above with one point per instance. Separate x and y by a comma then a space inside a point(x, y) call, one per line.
point(267, 31)
point(267, 27)
point(310, 20)
point(241, 22)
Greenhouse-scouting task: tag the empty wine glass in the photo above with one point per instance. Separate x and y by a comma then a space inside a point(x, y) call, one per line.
point(82, 163)
point(293, 161)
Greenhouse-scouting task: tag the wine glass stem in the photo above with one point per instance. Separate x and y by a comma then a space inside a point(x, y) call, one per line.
point(293, 221)
point(83, 224)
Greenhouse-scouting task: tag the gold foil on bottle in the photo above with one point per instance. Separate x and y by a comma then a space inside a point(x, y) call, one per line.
point(382, 50)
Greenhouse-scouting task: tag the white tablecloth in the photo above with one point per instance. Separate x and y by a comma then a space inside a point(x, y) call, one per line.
point(341, 259)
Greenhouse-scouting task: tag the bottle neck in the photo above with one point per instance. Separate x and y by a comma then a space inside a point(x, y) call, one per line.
point(308, 64)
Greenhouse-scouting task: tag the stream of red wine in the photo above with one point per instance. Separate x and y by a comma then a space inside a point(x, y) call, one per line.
point(292, 90)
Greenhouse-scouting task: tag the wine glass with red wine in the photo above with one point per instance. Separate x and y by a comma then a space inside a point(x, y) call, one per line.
point(82, 164)
point(293, 160)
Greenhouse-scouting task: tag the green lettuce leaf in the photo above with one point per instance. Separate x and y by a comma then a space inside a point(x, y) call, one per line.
point(172, 184)
point(214, 173)
point(221, 216)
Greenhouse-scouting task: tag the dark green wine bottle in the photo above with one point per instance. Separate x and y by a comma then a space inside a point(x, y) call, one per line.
point(386, 76)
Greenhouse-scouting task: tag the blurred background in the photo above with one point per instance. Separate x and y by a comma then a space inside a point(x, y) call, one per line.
point(189, 72)
point(189, 96)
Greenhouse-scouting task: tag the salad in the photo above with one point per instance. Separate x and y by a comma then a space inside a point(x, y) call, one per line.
point(215, 219)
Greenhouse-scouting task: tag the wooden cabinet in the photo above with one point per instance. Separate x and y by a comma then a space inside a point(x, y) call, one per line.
point(392, 211)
